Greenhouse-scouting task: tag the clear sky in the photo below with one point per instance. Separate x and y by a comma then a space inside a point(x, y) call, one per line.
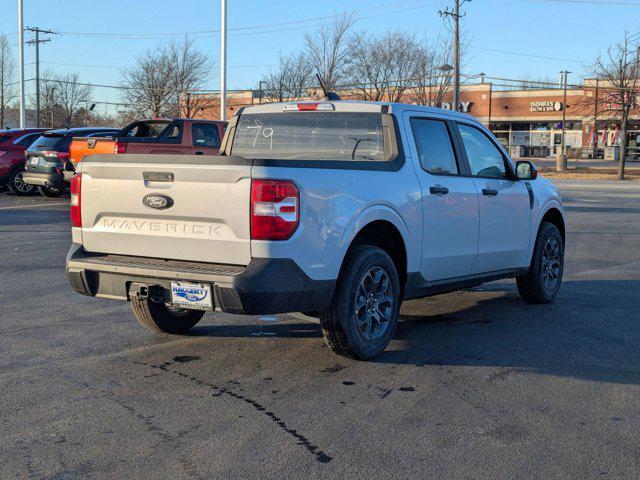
point(508, 37)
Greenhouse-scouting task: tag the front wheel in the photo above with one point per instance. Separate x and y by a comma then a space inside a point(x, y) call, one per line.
point(50, 192)
point(542, 282)
point(17, 185)
point(159, 317)
point(363, 314)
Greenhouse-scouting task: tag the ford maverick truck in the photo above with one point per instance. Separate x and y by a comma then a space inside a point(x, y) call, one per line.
point(339, 209)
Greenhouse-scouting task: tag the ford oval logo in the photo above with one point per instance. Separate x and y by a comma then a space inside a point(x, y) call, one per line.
point(157, 201)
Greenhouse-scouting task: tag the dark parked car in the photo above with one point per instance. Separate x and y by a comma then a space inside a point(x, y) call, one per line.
point(46, 158)
point(13, 144)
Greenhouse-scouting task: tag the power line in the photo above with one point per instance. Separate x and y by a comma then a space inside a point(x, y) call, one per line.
point(508, 52)
point(593, 2)
point(245, 30)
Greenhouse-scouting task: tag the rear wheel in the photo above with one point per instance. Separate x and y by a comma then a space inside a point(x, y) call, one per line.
point(17, 186)
point(160, 317)
point(50, 192)
point(363, 314)
point(542, 282)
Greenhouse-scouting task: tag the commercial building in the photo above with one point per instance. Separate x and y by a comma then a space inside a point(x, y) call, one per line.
point(528, 121)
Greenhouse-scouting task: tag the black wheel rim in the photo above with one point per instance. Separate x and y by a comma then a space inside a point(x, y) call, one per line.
point(374, 304)
point(551, 264)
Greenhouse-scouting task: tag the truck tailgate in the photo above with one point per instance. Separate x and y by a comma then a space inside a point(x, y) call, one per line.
point(81, 146)
point(180, 207)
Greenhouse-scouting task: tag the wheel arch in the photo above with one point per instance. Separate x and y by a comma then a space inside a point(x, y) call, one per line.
point(555, 216)
point(382, 227)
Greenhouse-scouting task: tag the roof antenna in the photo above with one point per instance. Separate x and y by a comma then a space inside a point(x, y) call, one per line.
point(327, 95)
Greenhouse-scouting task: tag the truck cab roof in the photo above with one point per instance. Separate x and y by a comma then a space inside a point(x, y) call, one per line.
point(354, 106)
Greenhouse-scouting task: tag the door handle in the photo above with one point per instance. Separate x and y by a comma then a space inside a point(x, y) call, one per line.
point(438, 189)
point(490, 192)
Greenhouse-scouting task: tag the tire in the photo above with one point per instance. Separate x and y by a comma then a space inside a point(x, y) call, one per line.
point(158, 317)
point(50, 192)
point(358, 332)
point(542, 282)
point(16, 184)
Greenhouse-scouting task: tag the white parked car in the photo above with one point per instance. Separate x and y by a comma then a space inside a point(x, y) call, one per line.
point(338, 209)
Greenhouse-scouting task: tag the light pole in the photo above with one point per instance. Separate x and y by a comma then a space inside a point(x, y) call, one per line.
point(223, 61)
point(21, 55)
point(561, 160)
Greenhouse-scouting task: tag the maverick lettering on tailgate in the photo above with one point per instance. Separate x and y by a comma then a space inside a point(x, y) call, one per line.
point(148, 227)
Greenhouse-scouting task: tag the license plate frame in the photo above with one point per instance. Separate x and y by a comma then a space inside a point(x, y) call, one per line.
point(192, 296)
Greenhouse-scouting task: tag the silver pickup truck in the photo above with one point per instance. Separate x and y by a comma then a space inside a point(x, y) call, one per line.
point(338, 209)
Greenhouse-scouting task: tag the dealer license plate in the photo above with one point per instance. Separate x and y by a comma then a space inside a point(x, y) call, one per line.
point(195, 296)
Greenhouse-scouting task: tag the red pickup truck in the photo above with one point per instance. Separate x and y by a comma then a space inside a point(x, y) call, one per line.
point(159, 136)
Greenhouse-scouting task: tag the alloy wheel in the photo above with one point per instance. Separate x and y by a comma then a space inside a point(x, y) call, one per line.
point(20, 185)
point(374, 303)
point(551, 264)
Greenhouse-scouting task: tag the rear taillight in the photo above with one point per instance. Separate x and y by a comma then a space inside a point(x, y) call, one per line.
point(76, 200)
point(275, 208)
point(62, 155)
point(119, 148)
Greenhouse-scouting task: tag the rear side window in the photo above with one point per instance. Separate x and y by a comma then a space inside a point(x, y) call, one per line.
point(4, 138)
point(205, 135)
point(433, 143)
point(485, 160)
point(348, 136)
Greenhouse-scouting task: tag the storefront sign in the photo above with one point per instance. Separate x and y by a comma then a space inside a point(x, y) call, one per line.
point(465, 107)
point(546, 106)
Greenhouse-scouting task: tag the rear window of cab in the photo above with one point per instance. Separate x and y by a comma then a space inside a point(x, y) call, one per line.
point(337, 136)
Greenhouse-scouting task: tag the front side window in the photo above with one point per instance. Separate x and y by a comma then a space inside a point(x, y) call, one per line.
point(433, 143)
point(205, 135)
point(485, 160)
point(347, 136)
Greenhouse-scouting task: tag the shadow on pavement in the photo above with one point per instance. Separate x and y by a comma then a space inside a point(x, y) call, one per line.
point(590, 332)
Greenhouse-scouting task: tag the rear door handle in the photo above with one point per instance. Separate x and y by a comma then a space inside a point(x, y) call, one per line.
point(489, 192)
point(438, 189)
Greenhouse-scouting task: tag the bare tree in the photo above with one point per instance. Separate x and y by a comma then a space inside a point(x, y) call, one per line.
point(618, 71)
point(434, 76)
point(158, 83)
point(7, 73)
point(383, 67)
point(328, 51)
point(68, 96)
point(289, 80)
point(192, 69)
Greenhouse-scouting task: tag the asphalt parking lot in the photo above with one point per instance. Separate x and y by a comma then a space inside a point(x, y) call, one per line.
point(476, 384)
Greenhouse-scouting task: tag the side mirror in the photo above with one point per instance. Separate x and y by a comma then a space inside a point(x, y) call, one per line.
point(68, 167)
point(526, 170)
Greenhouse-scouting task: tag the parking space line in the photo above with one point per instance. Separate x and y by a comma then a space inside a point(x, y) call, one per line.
point(35, 206)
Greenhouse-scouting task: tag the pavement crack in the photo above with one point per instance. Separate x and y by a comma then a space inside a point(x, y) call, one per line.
point(301, 440)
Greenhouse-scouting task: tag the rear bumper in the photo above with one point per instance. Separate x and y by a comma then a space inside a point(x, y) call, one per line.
point(265, 286)
point(44, 179)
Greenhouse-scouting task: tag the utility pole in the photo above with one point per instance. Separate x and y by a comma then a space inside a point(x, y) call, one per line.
point(21, 54)
point(455, 14)
point(561, 159)
point(37, 41)
point(223, 61)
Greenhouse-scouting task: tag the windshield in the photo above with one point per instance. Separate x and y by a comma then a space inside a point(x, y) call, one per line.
point(51, 142)
point(310, 136)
